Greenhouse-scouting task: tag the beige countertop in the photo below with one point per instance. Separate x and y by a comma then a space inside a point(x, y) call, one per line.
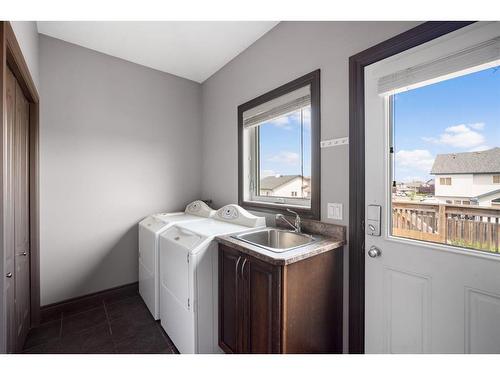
point(324, 244)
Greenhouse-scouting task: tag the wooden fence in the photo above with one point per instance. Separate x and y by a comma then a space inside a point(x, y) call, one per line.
point(466, 226)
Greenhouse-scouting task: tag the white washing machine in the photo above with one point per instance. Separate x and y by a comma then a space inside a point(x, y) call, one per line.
point(149, 230)
point(189, 278)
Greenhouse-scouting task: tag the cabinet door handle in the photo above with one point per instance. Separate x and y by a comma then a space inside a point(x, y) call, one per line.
point(243, 267)
point(237, 266)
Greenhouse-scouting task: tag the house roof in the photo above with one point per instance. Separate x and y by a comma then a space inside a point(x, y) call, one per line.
point(272, 182)
point(468, 162)
point(494, 192)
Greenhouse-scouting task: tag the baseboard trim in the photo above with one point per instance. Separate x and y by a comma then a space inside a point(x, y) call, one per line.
point(54, 310)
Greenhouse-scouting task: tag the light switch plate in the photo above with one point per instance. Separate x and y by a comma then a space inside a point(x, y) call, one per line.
point(335, 211)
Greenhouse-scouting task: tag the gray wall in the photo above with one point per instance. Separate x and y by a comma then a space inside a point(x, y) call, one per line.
point(27, 36)
point(118, 141)
point(288, 51)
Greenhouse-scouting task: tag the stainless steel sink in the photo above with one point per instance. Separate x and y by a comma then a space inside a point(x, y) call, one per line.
point(276, 240)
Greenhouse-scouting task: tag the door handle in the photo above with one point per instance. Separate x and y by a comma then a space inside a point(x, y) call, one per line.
point(24, 253)
point(9, 275)
point(374, 252)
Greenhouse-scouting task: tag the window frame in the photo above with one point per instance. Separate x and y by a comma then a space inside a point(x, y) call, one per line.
point(314, 211)
point(443, 181)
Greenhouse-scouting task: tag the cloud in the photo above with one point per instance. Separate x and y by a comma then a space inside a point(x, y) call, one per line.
point(480, 148)
point(284, 122)
point(281, 122)
point(415, 159)
point(267, 173)
point(477, 126)
point(287, 157)
point(460, 136)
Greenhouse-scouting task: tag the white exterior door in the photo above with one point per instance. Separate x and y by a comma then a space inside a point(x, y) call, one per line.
point(422, 297)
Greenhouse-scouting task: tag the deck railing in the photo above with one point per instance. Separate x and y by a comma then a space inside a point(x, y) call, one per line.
point(466, 226)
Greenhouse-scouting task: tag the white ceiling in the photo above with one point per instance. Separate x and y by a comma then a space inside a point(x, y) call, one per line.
point(191, 49)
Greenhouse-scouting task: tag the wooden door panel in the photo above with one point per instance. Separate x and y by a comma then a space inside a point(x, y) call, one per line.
point(9, 209)
point(21, 214)
point(261, 306)
point(229, 285)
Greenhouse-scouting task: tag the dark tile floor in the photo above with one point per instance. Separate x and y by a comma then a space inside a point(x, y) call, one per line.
point(121, 325)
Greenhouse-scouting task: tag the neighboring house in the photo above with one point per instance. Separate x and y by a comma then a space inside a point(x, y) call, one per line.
point(420, 187)
point(407, 187)
point(468, 177)
point(427, 187)
point(286, 186)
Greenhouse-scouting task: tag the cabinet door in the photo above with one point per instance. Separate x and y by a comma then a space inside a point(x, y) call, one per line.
point(229, 304)
point(261, 306)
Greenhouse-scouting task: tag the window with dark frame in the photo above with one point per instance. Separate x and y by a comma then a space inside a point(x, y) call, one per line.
point(279, 156)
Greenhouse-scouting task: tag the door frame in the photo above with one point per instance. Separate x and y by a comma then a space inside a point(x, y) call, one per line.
point(420, 34)
point(11, 56)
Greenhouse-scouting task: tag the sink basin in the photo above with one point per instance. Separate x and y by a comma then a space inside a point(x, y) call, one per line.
point(276, 240)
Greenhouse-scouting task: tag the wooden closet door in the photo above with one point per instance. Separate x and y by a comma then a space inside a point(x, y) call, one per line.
point(9, 173)
point(21, 213)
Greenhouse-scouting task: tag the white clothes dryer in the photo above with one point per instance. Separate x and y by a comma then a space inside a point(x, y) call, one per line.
point(149, 230)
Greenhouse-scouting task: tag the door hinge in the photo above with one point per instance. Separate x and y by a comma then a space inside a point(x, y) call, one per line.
point(363, 225)
point(188, 303)
point(188, 258)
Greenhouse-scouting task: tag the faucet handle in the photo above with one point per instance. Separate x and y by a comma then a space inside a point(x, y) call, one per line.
point(297, 220)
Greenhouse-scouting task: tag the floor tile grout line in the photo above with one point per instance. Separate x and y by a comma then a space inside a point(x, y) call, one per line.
point(109, 327)
point(61, 327)
point(107, 317)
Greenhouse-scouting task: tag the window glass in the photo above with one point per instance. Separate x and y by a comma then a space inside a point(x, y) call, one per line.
point(446, 162)
point(284, 147)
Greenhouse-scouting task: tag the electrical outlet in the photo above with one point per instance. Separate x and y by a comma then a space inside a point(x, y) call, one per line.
point(335, 211)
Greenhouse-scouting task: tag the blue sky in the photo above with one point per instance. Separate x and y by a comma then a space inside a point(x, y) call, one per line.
point(280, 151)
point(458, 115)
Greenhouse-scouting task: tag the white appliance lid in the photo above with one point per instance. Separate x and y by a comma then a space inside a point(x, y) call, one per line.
point(234, 214)
point(199, 208)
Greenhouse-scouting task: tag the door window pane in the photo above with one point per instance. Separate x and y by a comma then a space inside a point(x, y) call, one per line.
point(446, 162)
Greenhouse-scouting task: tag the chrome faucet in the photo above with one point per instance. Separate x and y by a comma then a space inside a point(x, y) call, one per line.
point(297, 226)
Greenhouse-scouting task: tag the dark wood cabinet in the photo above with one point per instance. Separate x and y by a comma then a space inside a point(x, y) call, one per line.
point(266, 308)
point(249, 295)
